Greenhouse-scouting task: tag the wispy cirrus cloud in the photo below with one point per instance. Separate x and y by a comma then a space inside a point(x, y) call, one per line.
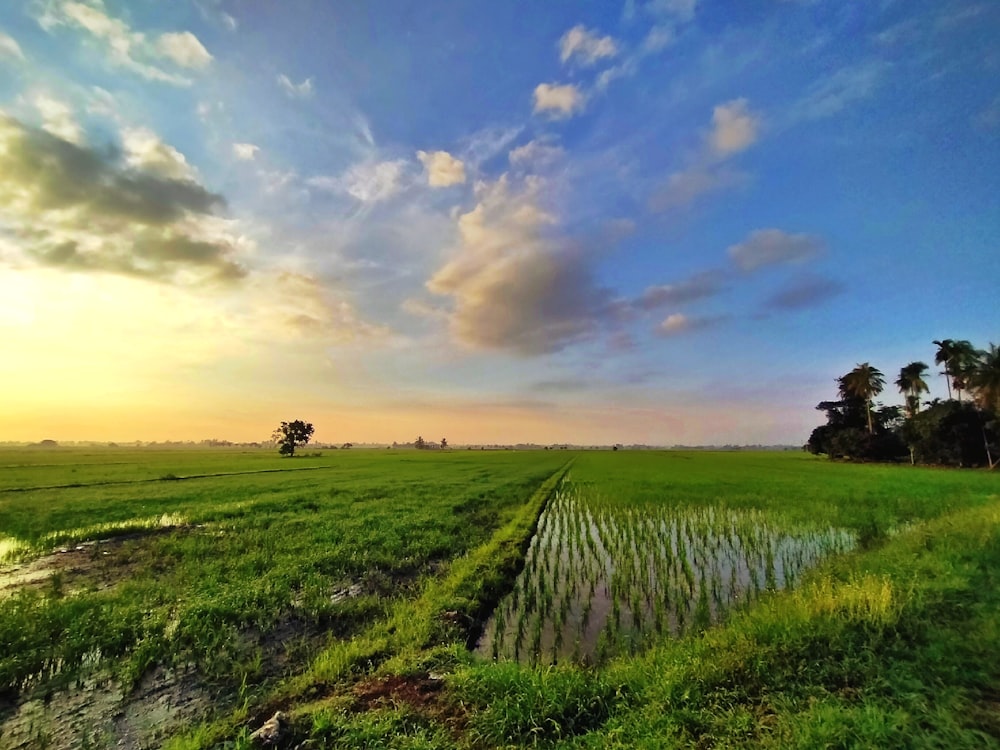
point(844, 87)
point(368, 181)
point(735, 127)
point(301, 90)
point(768, 247)
point(584, 47)
point(9, 48)
point(536, 154)
point(125, 47)
point(805, 292)
point(700, 286)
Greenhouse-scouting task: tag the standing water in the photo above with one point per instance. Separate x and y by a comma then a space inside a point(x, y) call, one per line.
point(601, 579)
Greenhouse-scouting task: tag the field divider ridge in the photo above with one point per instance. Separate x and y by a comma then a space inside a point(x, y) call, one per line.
point(165, 478)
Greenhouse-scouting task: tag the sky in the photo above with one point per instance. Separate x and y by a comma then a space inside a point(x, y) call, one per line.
point(650, 221)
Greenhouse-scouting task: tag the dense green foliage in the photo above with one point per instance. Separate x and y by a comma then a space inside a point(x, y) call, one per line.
point(951, 433)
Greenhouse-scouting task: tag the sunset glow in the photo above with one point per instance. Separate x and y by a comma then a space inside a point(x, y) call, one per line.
point(642, 222)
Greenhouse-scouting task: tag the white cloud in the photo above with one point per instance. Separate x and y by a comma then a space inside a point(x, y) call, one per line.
point(229, 21)
point(9, 47)
point(127, 48)
point(767, 247)
point(734, 127)
point(678, 323)
point(515, 285)
point(585, 47)
point(535, 154)
point(658, 38)
point(184, 49)
point(368, 182)
point(144, 150)
point(443, 169)
point(628, 67)
point(57, 118)
point(839, 90)
point(558, 101)
point(296, 90)
point(681, 9)
point(245, 151)
point(685, 187)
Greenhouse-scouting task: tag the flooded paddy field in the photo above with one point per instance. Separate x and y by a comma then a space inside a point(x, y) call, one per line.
point(671, 599)
point(602, 578)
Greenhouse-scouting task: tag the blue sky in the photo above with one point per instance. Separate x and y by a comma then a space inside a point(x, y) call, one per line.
point(673, 221)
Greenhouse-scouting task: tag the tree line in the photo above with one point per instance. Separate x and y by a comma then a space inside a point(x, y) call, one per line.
point(962, 430)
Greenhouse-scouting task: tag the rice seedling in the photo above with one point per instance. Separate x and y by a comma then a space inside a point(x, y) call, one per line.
point(601, 576)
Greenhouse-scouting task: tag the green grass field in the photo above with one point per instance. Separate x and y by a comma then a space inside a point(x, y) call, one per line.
point(345, 590)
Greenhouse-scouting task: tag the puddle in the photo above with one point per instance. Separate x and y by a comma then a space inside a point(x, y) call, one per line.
point(601, 579)
point(97, 713)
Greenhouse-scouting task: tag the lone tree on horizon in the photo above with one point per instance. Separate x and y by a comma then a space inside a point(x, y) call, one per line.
point(289, 435)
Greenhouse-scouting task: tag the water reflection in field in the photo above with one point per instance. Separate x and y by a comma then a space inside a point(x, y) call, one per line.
point(601, 578)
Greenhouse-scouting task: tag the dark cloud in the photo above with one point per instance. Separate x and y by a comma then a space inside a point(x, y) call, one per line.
point(56, 174)
point(700, 286)
point(805, 292)
point(532, 303)
point(85, 209)
point(515, 284)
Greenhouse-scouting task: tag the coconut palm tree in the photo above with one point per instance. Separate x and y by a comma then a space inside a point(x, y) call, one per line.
point(911, 384)
point(864, 382)
point(957, 358)
point(944, 356)
point(966, 356)
point(984, 379)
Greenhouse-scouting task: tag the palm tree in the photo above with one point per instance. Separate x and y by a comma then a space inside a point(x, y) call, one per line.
point(983, 379)
point(865, 382)
point(943, 356)
point(965, 359)
point(911, 384)
point(957, 357)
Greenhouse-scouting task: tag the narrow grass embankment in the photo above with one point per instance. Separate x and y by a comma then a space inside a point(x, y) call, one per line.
point(895, 647)
point(427, 633)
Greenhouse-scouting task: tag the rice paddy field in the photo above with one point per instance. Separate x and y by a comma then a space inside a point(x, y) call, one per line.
point(409, 599)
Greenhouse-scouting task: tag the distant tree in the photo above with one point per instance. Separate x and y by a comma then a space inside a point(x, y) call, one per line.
point(911, 384)
point(863, 382)
point(289, 435)
point(419, 443)
point(950, 433)
point(444, 443)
